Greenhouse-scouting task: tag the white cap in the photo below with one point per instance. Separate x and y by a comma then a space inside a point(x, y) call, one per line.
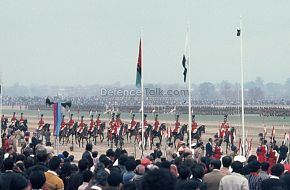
point(240, 158)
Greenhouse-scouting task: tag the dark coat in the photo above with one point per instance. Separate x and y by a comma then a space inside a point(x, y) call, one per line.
point(267, 184)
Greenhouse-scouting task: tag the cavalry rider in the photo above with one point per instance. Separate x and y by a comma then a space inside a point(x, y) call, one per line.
point(98, 121)
point(21, 120)
point(133, 123)
point(40, 123)
point(193, 125)
point(177, 126)
point(92, 124)
point(13, 119)
point(81, 125)
point(224, 127)
point(63, 124)
point(156, 125)
point(71, 122)
point(112, 123)
point(145, 124)
point(118, 124)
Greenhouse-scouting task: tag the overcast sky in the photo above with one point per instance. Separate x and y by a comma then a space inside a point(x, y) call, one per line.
point(71, 42)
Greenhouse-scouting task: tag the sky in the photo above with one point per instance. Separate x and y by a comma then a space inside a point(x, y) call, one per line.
point(84, 42)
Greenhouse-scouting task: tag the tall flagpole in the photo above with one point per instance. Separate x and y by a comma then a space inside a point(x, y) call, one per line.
point(189, 86)
point(242, 88)
point(1, 92)
point(142, 93)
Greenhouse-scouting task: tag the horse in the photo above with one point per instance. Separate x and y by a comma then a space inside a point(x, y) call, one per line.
point(41, 133)
point(63, 134)
point(229, 138)
point(101, 130)
point(181, 133)
point(72, 132)
point(24, 126)
point(4, 125)
point(93, 134)
point(132, 132)
point(158, 133)
point(118, 138)
point(83, 135)
point(148, 136)
point(197, 134)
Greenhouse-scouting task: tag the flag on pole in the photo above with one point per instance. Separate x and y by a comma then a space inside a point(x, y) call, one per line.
point(184, 63)
point(57, 116)
point(139, 64)
point(185, 58)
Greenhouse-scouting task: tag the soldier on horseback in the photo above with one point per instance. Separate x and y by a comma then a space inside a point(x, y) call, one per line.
point(63, 124)
point(177, 126)
point(224, 129)
point(40, 123)
point(156, 126)
point(13, 119)
point(21, 120)
point(193, 125)
point(71, 122)
point(118, 124)
point(92, 124)
point(81, 125)
point(132, 123)
point(98, 122)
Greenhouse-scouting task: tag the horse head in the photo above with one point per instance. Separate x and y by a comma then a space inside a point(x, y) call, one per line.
point(201, 129)
point(162, 127)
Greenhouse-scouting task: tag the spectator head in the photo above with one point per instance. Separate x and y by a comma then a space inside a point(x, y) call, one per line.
point(129, 186)
point(89, 147)
point(110, 154)
point(130, 165)
point(140, 169)
point(237, 166)
point(65, 154)
point(265, 166)
point(254, 166)
point(95, 154)
point(277, 169)
point(37, 179)
point(227, 161)
point(252, 158)
point(54, 163)
point(197, 172)
point(87, 176)
point(8, 163)
point(160, 179)
point(83, 164)
point(183, 172)
point(115, 179)
point(42, 157)
point(122, 159)
point(215, 164)
point(190, 185)
point(210, 140)
point(19, 182)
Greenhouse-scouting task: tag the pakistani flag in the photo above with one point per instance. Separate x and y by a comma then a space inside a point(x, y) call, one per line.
point(184, 63)
point(238, 31)
point(139, 64)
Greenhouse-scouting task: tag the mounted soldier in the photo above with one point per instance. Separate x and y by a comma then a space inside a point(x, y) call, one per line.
point(21, 120)
point(81, 125)
point(132, 123)
point(224, 128)
point(193, 125)
point(40, 123)
point(92, 124)
point(71, 122)
point(156, 125)
point(177, 126)
point(62, 124)
point(98, 121)
point(13, 119)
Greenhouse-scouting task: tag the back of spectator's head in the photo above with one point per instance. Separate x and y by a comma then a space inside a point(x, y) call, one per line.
point(227, 161)
point(177, 161)
point(37, 179)
point(124, 151)
point(189, 162)
point(114, 179)
point(95, 154)
point(166, 164)
point(183, 172)
point(129, 186)
point(265, 166)
point(158, 154)
point(66, 168)
point(83, 164)
point(41, 157)
point(130, 164)
point(252, 158)
point(160, 179)
point(122, 159)
point(54, 163)
point(110, 153)
point(18, 182)
point(71, 158)
point(89, 147)
point(277, 169)
point(140, 169)
point(215, 164)
point(197, 172)
point(8, 163)
point(87, 176)
point(190, 185)
point(65, 154)
point(237, 166)
point(19, 157)
point(254, 166)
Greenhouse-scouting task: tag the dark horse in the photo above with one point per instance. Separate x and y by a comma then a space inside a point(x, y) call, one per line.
point(63, 134)
point(72, 132)
point(83, 135)
point(158, 133)
point(229, 138)
point(197, 134)
point(132, 132)
point(41, 133)
point(4, 125)
point(118, 138)
point(181, 133)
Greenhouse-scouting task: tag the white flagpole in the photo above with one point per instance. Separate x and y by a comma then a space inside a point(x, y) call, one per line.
point(189, 86)
point(1, 92)
point(242, 88)
point(142, 94)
